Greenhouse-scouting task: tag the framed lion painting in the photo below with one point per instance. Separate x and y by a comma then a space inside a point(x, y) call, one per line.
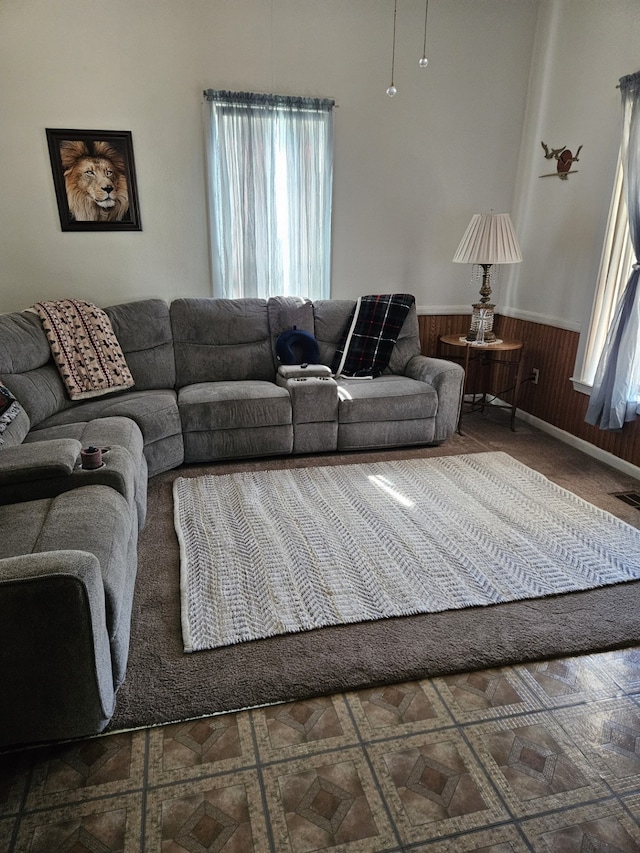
point(95, 179)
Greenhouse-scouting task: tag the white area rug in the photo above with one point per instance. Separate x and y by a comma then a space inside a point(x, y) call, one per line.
point(276, 552)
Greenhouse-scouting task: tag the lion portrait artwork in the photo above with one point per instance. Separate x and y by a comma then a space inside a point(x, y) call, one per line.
point(95, 181)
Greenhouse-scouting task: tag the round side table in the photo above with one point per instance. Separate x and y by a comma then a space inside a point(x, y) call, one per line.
point(485, 356)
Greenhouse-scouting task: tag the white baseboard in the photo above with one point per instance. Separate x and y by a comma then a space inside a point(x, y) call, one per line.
point(581, 444)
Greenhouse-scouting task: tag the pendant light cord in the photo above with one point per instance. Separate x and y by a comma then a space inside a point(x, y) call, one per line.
point(426, 12)
point(393, 51)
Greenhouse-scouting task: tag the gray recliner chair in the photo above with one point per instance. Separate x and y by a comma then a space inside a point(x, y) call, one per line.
point(66, 592)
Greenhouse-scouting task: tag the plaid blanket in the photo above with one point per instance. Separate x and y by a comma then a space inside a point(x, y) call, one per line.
point(370, 335)
point(84, 348)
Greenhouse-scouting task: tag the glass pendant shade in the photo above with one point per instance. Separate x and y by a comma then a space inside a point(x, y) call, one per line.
point(422, 62)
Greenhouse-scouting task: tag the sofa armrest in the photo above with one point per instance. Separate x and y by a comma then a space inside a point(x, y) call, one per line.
point(37, 461)
point(81, 565)
point(447, 378)
point(435, 371)
point(55, 661)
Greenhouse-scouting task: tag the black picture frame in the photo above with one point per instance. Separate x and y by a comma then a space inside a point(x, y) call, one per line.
point(85, 202)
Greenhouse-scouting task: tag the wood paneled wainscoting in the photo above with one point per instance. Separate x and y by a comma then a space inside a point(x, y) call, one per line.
point(553, 399)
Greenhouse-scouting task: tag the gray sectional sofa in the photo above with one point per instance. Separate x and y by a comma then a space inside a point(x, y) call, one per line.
point(207, 388)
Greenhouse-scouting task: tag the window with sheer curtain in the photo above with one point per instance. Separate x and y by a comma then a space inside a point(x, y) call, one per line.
point(270, 175)
point(616, 262)
point(614, 395)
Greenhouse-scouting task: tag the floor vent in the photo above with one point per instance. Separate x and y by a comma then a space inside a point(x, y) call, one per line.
point(631, 498)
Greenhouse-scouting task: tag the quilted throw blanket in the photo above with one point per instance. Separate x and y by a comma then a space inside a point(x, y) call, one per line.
point(368, 339)
point(84, 348)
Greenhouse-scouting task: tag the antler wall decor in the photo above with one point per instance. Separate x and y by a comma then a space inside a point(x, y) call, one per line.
point(564, 157)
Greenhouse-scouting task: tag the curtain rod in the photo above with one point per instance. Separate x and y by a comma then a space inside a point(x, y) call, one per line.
point(245, 95)
point(628, 78)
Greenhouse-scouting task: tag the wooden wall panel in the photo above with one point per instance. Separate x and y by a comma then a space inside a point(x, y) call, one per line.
point(553, 352)
point(433, 326)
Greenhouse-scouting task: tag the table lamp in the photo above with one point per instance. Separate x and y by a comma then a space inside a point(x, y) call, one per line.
point(488, 240)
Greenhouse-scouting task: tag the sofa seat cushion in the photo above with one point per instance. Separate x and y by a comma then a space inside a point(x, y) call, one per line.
point(233, 405)
point(386, 398)
point(101, 432)
point(96, 519)
point(155, 412)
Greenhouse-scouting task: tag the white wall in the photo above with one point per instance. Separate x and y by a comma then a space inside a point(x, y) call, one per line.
point(462, 136)
point(409, 171)
point(582, 49)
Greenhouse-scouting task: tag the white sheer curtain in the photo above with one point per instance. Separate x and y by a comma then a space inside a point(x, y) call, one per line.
point(614, 398)
point(270, 175)
point(617, 259)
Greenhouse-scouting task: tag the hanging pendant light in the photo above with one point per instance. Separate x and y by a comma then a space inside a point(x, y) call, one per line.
point(423, 61)
point(391, 91)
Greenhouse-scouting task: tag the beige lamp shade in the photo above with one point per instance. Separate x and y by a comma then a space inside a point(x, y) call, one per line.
point(489, 239)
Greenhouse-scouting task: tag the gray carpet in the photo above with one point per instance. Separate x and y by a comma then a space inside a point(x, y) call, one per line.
point(164, 684)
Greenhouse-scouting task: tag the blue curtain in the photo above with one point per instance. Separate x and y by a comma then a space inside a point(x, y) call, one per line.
point(614, 397)
point(270, 176)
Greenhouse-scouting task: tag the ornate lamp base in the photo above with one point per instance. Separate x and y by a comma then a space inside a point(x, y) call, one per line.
point(482, 323)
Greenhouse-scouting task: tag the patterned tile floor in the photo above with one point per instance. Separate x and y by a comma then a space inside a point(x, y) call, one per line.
point(542, 757)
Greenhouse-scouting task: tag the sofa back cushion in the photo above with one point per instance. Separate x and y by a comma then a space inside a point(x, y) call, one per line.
point(331, 317)
point(286, 313)
point(218, 340)
point(143, 330)
point(27, 369)
point(407, 345)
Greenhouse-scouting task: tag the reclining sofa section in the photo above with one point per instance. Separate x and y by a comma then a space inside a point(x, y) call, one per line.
point(207, 388)
point(206, 384)
point(233, 404)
